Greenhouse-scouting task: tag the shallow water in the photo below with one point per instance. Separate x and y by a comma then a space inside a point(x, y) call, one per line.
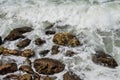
point(96, 24)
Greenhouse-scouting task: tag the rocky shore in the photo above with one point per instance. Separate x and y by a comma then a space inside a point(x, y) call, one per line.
point(43, 68)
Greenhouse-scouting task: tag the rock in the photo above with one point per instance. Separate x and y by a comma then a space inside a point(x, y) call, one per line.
point(39, 41)
point(28, 53)
point(11, 77)
point(23, 29)
point(2, 49)
point(48, 24)
point(70, 76)
point(44, 52)
point(66, 39)
point(17, 33)
point(49, 32)
point(13, 35)
point(28, 61)
point(25, 77)
point(24, 43)
point(48, 66)
point(70, 53)
point(36, 76)
point(49, 78)
point(0, 40)
point(55, 49)
point(8, 68)
point(11, 52)
point(26, 68)
point(104, 59)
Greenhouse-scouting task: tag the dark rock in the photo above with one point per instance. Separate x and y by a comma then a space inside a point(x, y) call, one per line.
point(104, 59)
point(70, 53)
point(39, 41)
point(8, 68)
point(55, 49)
point(36, 76)
point(25, 77)
point(11, 77)
point(0, 40)
point(24, 43)
point(26, 68)
point(66, 39)
point(28, 53)
point(48, 66)
point(44, 52)
point(70, 76)
point(17, 33)
point(49, 32)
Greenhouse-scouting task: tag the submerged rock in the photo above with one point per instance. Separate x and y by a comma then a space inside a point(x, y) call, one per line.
point(55, 49)
point(104, 59)
point(17, 33)
point(25, 77)
point(66, 39)
point(39, 41)
point(8, 68)
point(49, 32)
point(70, 53)
point(26, 68)
point(24, 43)
point(44, 52)
point(70, 76)
point(48, 66)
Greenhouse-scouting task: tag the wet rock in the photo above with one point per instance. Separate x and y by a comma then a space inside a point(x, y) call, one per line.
point(66, 39)
point(49, 32)
point(36, 76)
point(48, 66)
point(55, 49)
point(23, 29)
point(26, 68)
point(0, 40)
point(48, 24)
point(17, 33)
point(70, 53)
point(11, 77)
point(39, 41)
point(2, 49)
point(48, 78)
point(25, 77)
point(11, 52)
point(24, 43)
point(28, 61)
point(28, 53)
point(44, 52)
point(104, 59)
point(70, 76)
point(8, 68)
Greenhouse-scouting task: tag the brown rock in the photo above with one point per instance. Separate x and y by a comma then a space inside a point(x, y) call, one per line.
point(2, 49)
point(11, 77)
point(48, 78)
point(49, 32)
point(25, 77)
point(48, 66)
point(17, 33)
point(104, 59)
point(44, 52)
point(55, 49)
point(36, 76)
point(26, 68)
point(24, 43)
point(70, 76)
point(66, 39)
point(8, 68)
point(28, 53)
point(39, 41)
point(70, 53)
